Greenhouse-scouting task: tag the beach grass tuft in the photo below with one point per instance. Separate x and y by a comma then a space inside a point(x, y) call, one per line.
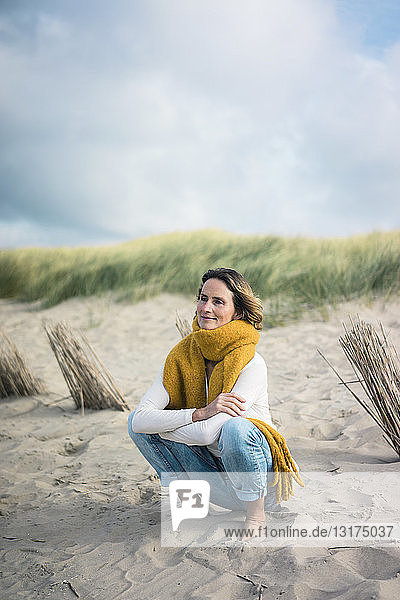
point(16, 378)
point(89, 382)
point(376, 366)
point(182, 325)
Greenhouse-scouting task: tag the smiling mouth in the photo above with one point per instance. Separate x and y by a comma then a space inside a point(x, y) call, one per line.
point(208, 318)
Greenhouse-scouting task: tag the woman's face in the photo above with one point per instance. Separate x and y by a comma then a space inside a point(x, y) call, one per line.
point(215, 306)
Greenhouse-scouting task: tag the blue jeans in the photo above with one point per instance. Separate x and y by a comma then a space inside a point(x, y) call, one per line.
point(242, 471)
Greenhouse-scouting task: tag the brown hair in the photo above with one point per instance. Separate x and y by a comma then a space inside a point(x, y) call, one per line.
point(247, 305)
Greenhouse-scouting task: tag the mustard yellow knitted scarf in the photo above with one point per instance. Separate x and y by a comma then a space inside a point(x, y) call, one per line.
point(233, 345)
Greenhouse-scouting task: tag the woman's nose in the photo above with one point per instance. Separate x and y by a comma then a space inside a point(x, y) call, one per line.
point(207, 306)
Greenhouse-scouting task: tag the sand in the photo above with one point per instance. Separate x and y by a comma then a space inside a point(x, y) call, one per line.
point(81, 508)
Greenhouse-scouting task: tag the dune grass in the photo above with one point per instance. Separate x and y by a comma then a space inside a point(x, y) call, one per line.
point(292, 275)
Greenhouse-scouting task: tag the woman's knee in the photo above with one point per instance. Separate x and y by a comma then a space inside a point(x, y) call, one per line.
point(141, 440)
point(234, 432)
point(237, 426)
point(132, 434)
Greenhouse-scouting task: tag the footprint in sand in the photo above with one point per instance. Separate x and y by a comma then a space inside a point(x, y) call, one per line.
point(74, 447)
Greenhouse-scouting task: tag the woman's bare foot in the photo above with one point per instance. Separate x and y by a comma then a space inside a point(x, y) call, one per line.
point(255, 517)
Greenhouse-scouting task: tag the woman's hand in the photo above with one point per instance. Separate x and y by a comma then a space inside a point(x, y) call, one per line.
point(231, 404)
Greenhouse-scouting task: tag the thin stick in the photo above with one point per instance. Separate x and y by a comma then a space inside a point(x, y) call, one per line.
point(82, 404)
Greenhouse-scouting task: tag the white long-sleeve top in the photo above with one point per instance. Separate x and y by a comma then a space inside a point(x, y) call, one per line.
point(177, 425)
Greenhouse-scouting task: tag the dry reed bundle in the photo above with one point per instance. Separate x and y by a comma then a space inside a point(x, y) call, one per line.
point(16, 378)
point(89, 382)
point(183, 325)
point(376, 365)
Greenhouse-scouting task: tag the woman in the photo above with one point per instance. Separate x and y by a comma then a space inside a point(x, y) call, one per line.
point(208, 409)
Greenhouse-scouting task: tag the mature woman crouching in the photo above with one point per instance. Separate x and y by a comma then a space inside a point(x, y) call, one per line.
point(208, 409)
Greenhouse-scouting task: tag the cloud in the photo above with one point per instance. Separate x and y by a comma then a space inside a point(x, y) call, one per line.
point(128, 119)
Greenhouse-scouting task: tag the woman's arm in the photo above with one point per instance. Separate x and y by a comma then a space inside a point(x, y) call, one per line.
point(150, 416)
point(201, 433)
point(250, 385)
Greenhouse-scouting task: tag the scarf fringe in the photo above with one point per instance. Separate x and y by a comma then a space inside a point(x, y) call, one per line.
point(285, 471)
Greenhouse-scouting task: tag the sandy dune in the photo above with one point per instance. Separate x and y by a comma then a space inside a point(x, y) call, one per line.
point(81, 508)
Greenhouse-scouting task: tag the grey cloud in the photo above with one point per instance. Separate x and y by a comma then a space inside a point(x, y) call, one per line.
point(137, 118)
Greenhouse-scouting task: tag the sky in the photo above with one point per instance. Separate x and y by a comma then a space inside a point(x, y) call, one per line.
point(131, 118)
